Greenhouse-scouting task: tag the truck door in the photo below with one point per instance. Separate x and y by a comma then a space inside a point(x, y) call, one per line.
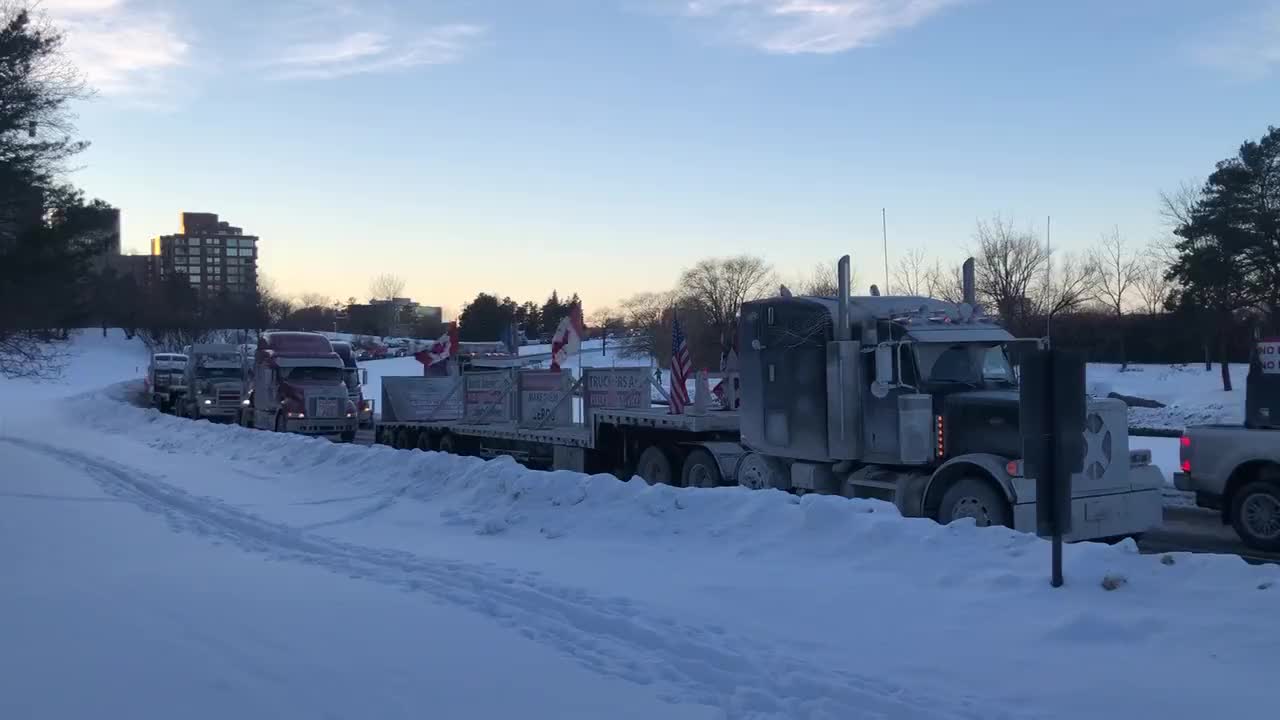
point(880, 416)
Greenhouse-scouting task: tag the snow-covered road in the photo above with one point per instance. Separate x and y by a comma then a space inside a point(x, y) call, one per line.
point(156, 567)
point(128, 598)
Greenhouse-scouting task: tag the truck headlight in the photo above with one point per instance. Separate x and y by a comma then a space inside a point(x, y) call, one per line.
point(208, 401)
point(295, 415)
point(245, 402)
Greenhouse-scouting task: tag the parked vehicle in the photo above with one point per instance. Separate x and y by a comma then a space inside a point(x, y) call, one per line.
point(355, 378)
point(1235, 469)
point(214, 386)
point(298, 387)
point(906, 399)
point(165, 379)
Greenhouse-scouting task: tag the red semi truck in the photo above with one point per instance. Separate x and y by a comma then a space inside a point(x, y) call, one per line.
point(298, 386)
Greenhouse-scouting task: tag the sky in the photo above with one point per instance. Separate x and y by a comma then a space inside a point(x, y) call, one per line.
point(601, 146)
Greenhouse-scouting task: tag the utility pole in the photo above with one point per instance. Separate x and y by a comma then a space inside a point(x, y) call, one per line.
point(884, 232)
point(1048, 276)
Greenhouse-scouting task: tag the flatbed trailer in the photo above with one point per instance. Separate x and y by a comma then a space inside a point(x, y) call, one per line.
point(659, 446)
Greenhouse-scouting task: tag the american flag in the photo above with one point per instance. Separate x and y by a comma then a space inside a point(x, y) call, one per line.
point(681, 369)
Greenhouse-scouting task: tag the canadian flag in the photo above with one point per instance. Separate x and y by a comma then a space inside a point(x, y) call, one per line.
point(442, 349)
point(568, 337)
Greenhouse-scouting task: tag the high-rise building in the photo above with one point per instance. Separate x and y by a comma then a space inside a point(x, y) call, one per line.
point(214, 256)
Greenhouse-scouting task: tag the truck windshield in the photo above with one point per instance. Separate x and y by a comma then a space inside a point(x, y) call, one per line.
point(967, 363)
point(311, 374)
point(208, 373)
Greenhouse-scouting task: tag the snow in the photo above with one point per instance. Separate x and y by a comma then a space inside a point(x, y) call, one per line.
point(163, 567)
point(1192, 395)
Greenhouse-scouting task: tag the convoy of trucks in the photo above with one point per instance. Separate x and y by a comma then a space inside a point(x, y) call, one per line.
point(1235, 469)
point(906, 399)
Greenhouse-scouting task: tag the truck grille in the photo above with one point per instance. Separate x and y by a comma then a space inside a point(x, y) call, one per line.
point(228, 398)
point(325, 408)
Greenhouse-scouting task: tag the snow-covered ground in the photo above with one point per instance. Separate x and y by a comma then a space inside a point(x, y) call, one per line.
point(158, 567)
point(1191, 394)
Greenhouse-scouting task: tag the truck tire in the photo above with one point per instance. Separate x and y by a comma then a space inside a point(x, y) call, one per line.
point(348, 437)
point(424, 440)
point(655, 466)
point(761, 472)
point(977, 498)
point(700, 469)
point(447, 444)
point(281, 424)
point(1255, 514)
point(402, 439)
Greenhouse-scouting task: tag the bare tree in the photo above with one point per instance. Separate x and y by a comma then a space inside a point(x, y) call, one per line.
point(314, 300)
point(386, 286)
point(1073, 284)
point(945, 283)
point(911, 276)
point(1152, 284)
point(1008, 264)
point(719, 286)
point(1117, 273)
point(643, 314)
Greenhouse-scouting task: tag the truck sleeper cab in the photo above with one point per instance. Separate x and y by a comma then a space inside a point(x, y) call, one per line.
point(355, 379)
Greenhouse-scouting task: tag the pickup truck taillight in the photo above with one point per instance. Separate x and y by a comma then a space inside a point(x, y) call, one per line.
point(1184, 453)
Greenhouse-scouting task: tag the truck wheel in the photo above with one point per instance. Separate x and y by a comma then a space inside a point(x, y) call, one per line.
point(700, 469)
point(976, 498)
point(1255, 514)
point(424, 440)
point(281, 425)
point(447, 444)
point(401, 439)
point(655, 466)
point(761, 472)
point(348, 437)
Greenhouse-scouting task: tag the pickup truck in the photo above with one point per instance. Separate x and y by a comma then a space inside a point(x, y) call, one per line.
point(1236, 468)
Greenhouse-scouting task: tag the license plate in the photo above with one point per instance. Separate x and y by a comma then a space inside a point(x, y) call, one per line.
point(326, 408)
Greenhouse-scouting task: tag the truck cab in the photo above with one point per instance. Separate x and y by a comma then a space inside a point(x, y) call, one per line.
point(355, 378)
point(914, 400)
point(299, 387)
point(166, 379)
point(214, 383)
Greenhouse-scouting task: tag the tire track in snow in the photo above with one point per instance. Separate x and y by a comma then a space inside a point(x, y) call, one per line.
point(611, 636)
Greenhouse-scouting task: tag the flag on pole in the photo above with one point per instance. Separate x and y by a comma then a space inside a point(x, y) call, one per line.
point(681, 368)
point(442, 349)
point(568, 338)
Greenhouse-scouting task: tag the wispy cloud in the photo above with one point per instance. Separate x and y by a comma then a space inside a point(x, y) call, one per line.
point(340, 39)
point(123, 48)
point(814, 26)
point(1249, 47)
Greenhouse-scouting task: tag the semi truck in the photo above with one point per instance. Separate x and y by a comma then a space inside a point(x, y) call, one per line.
point(907, 399)
point(297, 386)
point(214, 383)
point(166, 378)
point(1235, 469)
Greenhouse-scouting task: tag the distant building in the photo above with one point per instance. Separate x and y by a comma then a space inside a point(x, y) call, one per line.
point(397, 316)
point(214, 256)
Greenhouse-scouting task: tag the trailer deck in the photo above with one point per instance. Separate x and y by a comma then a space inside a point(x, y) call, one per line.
point(582, 435)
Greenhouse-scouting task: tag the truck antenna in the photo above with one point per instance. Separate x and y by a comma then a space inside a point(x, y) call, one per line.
point(1048, 276)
